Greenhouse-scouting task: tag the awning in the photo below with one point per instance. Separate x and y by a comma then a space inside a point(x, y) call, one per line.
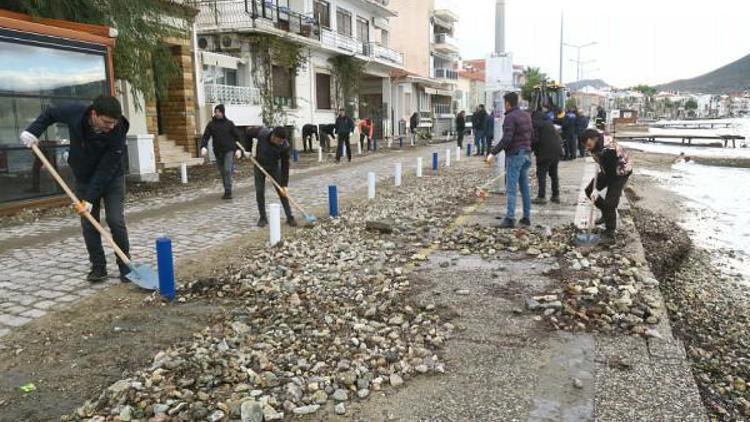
point(220, 60)
point(444, 92)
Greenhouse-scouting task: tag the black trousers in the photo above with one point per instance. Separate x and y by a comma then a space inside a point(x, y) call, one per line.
point(608, 204)
point(362, 141)
point(260, 192)
point(343, 140)
point(460, 139)
point(543, 168)
point(113, 198)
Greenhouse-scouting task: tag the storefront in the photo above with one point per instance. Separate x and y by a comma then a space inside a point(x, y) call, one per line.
point(42, 62)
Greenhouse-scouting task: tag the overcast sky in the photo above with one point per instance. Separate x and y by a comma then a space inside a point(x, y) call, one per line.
point(639, 41)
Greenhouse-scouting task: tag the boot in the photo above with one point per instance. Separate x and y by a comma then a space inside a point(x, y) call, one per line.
point(555, 199)
point(97, 275)
point(599, 221)
point(539, 201)
point(525, 221)
point(227, 195)
point(262, 222)
point(608, 238)
point(507, 224)
point(291, 222)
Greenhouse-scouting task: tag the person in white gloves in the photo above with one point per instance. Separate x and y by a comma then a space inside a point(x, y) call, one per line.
point(225, 136)
point(97, 148)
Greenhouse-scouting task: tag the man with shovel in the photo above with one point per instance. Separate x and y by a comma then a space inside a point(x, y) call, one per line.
point(272, 153)
point(97, 147)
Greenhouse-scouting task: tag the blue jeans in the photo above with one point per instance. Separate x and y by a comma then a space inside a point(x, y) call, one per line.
point(225, 163)
point(479, 140)
point(517, 165)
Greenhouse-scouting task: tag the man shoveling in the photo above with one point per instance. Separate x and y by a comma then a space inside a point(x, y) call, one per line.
point(272, 153)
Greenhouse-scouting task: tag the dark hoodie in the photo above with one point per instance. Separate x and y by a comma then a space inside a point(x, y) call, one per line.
point(546, 143)
point(223, 132)
point(95, 158)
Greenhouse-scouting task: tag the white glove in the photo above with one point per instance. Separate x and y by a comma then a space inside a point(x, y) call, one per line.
point(237, 154)
point(29, 139)
point(83, 207)
point(247, 154)
point(204, 152)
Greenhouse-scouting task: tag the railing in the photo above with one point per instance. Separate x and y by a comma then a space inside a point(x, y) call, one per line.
point(441, 109)
point(377, 51)
point(228, 94)
point(446, 74)
point(341, 42)
point(228, 14)
point(443, 38)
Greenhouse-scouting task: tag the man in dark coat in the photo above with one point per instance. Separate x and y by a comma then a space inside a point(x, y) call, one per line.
point(569, 134)
point(97, 147)
point(547, 147)
point(582, 123)
point(413, 124)
point(460, 128)
point(344, 128)
point(272, 152)
point(478, 121)
point(225, 136)
point(489, 132)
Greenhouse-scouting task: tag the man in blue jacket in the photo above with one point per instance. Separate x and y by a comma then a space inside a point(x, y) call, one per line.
point(97, 147)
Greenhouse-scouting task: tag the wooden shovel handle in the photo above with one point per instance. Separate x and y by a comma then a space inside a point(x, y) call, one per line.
point(276, 184)
point(76, 201)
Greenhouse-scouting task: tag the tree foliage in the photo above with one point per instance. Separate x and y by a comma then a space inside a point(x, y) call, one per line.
point(140, 56)
point(347, 73)
point(691, 104)
point(534, 76)
point(646, 90)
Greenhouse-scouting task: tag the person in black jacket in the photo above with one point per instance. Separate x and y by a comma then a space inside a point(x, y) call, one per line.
point(413, 124)
point(615, 168)
point(460, 128)
point(547, 147)
point(272, 152)
point(97, 148)
point(478, 121)
point(582, 123)
point(344, 128)
point(225, 136)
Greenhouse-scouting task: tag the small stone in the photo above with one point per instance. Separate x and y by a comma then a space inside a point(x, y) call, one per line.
point(340, 395)
point(462, 292)
point(251, 411)
point(577, 383)
point(126, 414)
point(445, 264)
point(306, 410)
point(216, 416)
point(320, 397)
point(533, 251)
point(396, 380)
point(362, 394)
point(384, 226)
point(422, 368)
point(532, 304)
point(340, 409)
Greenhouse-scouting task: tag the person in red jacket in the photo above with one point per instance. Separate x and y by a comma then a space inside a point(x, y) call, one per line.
point(366, 129)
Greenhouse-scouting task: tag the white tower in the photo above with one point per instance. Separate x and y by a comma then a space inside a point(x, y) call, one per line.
point(499, 26)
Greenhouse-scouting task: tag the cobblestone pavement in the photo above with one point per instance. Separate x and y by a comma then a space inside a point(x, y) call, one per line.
point(48, 276)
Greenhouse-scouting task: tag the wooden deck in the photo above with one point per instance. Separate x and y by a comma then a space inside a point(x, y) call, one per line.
point(686, 138)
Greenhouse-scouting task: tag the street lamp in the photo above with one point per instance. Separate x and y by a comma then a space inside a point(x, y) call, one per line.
point(579, 47)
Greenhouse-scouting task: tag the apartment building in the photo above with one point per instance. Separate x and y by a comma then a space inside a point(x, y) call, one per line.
point(325, 28)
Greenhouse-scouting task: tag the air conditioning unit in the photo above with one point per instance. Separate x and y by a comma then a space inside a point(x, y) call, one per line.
point(230, 42)
point(207, 43)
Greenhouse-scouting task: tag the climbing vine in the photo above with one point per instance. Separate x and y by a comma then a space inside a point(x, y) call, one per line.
point(347, 73)
point(270, 51)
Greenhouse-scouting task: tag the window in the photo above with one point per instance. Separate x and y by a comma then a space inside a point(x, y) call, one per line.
point(363, 30)
point(283, 87)
point(322, 13)
point(384, 40)
point(344, 22)
point(219, 75)
point(323, 91)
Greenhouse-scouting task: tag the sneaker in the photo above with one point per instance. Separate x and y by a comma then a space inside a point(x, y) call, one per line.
point(227, 195)
point(291, 222)
point(507, 224)
point(525, 222)
point(555, 199)
point(539, 201)
point(97, 275)
point(262, 222)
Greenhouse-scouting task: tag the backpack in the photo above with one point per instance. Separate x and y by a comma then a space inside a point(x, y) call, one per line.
point(624, 164)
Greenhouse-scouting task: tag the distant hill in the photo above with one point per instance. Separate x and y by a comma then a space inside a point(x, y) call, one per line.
point(730, 78)
point(596, 83)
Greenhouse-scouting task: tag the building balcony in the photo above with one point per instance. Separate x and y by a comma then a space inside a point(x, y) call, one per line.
point(448, 74)
point(445, 44)
point(445, 15)
point(442, 109)
point(342, 42)
point(222, 16)
point(377, 51)
point(229, 94)
point(378, 7)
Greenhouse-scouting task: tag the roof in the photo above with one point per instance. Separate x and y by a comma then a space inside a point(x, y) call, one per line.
point(474, 76)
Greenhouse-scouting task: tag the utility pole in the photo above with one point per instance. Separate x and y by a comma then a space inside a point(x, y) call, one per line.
point(562, 42)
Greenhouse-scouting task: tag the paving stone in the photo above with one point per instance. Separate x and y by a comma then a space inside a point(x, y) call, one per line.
point(12, 320)
point(15, 310)
point(66, 298)
point(49, 294)
point(45, 304)
point(34, 313)
point(4, 331)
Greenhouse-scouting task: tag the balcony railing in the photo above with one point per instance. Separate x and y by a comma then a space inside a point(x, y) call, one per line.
point(441, 109)
point(445, 39)
point(377, 51)
point(234, 14)
point(229, 94)
point(446, 74)
point(341, 42)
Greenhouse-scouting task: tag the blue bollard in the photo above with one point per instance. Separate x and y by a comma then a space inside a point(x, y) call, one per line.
point(374, 145)
point(468, 150)
point(434, 161)
point(166, 267)
point(333, 201)
point(295, 155)
point(400, 142)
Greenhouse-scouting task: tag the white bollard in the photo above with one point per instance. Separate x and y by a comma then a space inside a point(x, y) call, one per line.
point(397, 174)
point(371, 185)
point(344, 150)
point(320, 154)
point(274, 223)
point(359, 146)
point(458, 153)
point(419, 166)
point(183, 173)
point(447, 157)
point(390, 142)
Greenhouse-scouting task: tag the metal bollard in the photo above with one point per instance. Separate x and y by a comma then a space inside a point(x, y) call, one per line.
point(165, 264)
point(435, 162)
point(274, 223)
point(397, 174)
point(419, 166)
point(371, 185)
point(183, 173)
point(447, 157)
point(333, 201)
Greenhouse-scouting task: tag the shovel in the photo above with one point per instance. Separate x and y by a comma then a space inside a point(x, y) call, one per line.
point(142, 275)
point(589, 238)
point(309, 218)
point(481, 191)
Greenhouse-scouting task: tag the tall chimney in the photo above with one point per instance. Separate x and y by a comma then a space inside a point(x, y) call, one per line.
point(499, 26)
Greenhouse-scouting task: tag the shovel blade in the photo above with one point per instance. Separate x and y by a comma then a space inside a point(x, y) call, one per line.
point(587, 239)
point(310, 219)
point(143, 276)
